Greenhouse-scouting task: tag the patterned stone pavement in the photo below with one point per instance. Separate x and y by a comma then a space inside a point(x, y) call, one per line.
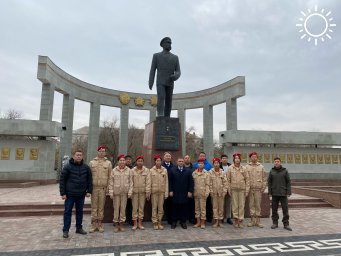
point(43, 235)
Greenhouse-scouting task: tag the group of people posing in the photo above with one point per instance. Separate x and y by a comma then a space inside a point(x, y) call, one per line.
point(182, 191)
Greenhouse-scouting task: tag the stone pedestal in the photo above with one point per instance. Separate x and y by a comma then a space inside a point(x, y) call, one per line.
point(265, 206)
point(161, 135)
point(109, 210)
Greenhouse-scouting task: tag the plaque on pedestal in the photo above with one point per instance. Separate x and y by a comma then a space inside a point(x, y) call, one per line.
point(161, 135)
point(167, 133)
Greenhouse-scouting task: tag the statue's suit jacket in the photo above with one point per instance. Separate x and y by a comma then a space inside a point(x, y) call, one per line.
point(166, 64)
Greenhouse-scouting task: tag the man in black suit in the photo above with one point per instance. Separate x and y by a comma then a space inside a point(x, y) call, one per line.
point(167, 163)
point(180, 189)
point(168, 71)
point(191, 208)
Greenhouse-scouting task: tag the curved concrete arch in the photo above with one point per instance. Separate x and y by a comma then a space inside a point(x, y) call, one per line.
point(50, 73)
point(56, 79)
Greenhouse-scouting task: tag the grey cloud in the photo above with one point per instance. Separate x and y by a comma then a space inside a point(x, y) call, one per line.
point(110, 44)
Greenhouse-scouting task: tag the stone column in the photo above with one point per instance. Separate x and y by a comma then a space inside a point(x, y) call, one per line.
point(46, 104)
point(208, 131)
point(182, 119)
point(124, 122)
point(231, 114)
point(93, 137)
point(231, 122)
point(67, 125)
point(152, 115)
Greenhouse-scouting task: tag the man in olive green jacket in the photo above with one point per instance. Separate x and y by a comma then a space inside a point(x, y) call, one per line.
point(279, 187)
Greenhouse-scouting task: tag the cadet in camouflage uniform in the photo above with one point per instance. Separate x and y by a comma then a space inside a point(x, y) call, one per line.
point(218, 190)
point(100, 168)
point(201, 192)
point(257, 186)
point(120, 188)
point(159, 191)
point(141, 191)
point(238, 185)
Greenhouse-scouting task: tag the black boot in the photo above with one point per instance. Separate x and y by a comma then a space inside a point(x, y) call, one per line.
point(274, 225)
point(81, 231)
point(229, 221)
point(287, 227)
point(65, 234)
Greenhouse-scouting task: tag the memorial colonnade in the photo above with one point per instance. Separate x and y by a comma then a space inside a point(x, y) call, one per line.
point(55, 79)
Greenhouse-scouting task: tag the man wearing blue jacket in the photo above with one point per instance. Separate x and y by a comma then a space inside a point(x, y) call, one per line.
point(75, 183)
point(207, 165)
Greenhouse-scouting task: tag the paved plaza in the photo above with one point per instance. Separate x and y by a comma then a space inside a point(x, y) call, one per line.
point(315, 232)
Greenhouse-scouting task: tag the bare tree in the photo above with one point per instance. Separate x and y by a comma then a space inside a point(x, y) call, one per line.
point(80, 142)
point(194, 143)
point(218, 149)
point(108, 136)
point(12, 114)
point(135, 140)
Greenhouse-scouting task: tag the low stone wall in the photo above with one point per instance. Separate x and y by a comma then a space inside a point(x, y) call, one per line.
point(27, 160)
point(302, 163)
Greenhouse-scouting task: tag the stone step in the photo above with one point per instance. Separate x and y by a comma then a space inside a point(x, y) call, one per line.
point(19, 184)
point(306, 202)
point(35, 206)
point(303, 200)
point(316, 183)
point(310, 205)
point(37, 212)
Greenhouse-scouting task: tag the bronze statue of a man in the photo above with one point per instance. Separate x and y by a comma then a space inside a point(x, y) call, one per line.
point(168, 71)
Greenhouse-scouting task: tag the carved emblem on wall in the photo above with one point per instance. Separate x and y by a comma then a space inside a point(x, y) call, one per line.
point(305, 159)
point(19, 154)
point(335, 159)
point(273, 157)
point(34, 154)
point(267, 158)
point(260, 158)
point(320, 159)
point(153, 101)
point(139, 102)
point(283, 158)
point(290, 159)
point(124, 98)
point(297, 159)
point(244, 158)
point(5, 153)
point(312, 158)
point(327, 159)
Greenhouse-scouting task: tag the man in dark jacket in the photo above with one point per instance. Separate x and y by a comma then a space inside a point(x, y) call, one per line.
point(129, 207)
point(191, 208)
point(180, 189)
point(279, 187)
point(167, 163)
point(75, 183)
point(227, 202)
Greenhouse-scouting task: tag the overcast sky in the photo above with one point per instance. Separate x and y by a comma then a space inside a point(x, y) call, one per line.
point(291, 84)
